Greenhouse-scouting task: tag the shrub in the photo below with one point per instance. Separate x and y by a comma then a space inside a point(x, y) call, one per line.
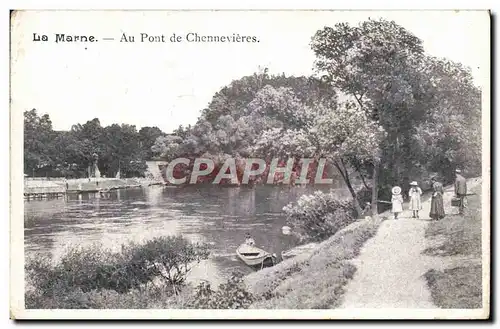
point(317, 216)
point(83, 270)
point(230, 295)
point(169, 257)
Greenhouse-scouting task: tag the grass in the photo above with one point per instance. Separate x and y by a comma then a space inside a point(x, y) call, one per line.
point(314, 280)
point(460, 236)
point(459, 287)
point(147, 298)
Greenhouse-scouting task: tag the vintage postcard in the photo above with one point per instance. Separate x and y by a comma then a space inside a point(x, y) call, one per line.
point(224, 164)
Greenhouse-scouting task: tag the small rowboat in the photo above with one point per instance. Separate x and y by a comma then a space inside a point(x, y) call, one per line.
point(255, 257)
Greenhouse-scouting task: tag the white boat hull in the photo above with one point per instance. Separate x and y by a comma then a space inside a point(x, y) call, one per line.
point(254, 257)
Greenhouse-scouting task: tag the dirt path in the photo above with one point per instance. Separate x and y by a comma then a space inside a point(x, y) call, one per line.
point(391, 265)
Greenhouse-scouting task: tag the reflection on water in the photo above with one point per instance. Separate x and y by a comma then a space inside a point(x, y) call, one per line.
point(217, 215)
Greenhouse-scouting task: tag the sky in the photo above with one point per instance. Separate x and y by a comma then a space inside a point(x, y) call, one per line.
point(168, 84)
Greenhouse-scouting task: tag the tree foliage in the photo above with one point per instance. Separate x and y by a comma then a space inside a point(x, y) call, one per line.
point(383, 67)
point(318, 216)
point(70, 153)
point(380, 109)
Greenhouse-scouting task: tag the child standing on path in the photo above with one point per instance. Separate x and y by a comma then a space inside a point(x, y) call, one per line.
point(414, 195)
point(397, 201)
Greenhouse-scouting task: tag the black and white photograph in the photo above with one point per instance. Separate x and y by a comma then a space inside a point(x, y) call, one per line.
point(250, 164)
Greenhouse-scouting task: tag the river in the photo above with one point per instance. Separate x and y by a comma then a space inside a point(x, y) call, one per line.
point(216, 215)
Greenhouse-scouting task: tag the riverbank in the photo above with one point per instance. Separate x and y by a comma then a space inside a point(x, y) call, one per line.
point(316, 278)
point(35, 186)
point(99, 184)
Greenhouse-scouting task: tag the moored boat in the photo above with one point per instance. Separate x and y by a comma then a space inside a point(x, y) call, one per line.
point(255, 257)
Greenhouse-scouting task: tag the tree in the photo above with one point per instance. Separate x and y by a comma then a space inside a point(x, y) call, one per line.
point(237, 115)
point(347, 135)
point(147, 138)
point(120, 150)
point(377, 63)
point(337, 134)
point(450, 137)
point(167, 147)
point(37, 136)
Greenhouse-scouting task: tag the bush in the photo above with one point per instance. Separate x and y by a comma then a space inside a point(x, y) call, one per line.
point(317, 216)
point(230, 295)
point(84, 270)
point(169, 257)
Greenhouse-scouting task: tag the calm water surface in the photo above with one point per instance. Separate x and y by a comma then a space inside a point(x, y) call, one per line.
point(216, 215)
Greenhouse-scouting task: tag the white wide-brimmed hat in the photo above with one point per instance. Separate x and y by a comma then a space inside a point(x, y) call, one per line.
point(396, 190)
point(414, 183)
point(458, 170)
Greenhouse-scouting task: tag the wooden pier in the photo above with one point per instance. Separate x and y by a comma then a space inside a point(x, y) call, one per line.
point(56, 188)
point(39, 189)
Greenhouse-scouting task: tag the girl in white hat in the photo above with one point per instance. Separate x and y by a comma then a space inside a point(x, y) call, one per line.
point(397, 201)
point(414, 195)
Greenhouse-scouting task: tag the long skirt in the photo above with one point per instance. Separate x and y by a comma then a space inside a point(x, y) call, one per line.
point(437, 207)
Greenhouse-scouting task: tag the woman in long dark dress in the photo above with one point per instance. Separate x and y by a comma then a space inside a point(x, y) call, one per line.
point(437, 205)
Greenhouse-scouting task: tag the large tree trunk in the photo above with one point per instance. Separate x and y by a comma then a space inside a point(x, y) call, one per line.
point(376, 165)
point(398, 161)
point(407, 162)
point(343, 172)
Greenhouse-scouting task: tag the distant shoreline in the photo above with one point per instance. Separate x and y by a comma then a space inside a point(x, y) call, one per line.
point(60, 186)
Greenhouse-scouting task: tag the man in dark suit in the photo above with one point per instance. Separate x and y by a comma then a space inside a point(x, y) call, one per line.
point(460, 189)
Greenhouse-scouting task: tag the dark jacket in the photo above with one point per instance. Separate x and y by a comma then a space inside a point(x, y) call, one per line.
point(460, 185)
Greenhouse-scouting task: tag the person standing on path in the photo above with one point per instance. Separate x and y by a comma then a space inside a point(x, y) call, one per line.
point(437, 206)
point(460, 190)
point(414, 195)
point(397, 201)
point(367, 211)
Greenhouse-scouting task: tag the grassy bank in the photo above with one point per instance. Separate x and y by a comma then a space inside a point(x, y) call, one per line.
point(459, 286)
point(314, 279)
point(94, 278)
